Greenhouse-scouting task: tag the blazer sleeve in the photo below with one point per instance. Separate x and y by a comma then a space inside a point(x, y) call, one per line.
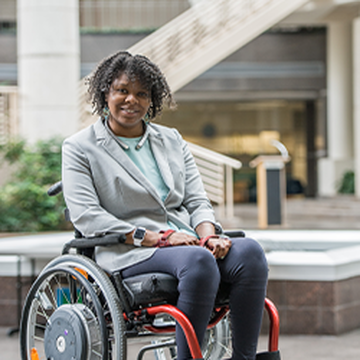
point(195, 197)
point(81, 198)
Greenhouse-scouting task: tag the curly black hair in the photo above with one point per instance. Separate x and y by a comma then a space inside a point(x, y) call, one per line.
point(136, 67)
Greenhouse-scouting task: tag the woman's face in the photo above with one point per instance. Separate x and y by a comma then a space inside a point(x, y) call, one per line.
point(128, 102)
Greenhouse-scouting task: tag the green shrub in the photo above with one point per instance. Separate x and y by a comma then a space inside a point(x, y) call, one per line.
point(347, 184)
point(24, 203)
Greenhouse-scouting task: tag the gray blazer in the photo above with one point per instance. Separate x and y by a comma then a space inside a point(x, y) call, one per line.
point(106, 192)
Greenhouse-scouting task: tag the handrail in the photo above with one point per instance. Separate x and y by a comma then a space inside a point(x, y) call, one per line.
point(213, 156)
point(216, 171)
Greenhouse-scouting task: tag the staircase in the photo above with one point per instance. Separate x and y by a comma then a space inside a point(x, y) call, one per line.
point(207, 33)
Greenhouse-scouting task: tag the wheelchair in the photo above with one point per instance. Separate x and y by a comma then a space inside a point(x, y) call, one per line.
point(77, 311)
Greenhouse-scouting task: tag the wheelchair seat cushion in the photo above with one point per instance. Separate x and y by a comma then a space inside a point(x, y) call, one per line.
point(150, 289)
point(158, 288)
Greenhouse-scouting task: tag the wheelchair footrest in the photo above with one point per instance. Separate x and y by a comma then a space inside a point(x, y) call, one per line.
point(268, 355)
point(159, 345)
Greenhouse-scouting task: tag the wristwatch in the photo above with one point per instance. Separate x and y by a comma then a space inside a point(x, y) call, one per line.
point(138, 236)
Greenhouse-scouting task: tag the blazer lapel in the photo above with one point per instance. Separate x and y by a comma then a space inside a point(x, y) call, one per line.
point(113, 147)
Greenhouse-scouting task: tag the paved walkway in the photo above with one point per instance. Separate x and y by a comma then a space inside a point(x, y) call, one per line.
point(292, 347)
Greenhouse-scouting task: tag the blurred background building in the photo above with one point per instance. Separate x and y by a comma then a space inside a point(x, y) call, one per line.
point(245, 73)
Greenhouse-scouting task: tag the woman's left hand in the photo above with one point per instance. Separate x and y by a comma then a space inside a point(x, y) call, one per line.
point(219, 246)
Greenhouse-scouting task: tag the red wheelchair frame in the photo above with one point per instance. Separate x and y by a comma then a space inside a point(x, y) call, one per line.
point(220, 313)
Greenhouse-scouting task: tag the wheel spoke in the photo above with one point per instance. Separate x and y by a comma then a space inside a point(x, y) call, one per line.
point(38, 338)
point(94, 302)
point(64, 295)
point(96, 353)
point(48, 288)
point(42, 313)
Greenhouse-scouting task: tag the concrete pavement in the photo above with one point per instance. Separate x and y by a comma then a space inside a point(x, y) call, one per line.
point(318, 347)
point(292, 347)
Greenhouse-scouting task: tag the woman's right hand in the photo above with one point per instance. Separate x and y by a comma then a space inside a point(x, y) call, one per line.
point(180, 238)
point(219, 246)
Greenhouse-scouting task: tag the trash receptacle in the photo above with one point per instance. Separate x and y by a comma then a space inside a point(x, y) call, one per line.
point(271, 189)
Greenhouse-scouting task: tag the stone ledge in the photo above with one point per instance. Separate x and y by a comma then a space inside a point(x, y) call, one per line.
point(331, 265)
point(316, 307)
point(311, 255)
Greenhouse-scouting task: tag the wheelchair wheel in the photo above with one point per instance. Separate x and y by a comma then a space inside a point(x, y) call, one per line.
point(108, 297)
point(215, 346)
point(63, 319)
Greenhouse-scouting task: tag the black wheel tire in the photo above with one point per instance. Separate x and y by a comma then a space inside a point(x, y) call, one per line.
point(108, 297)
point(63, 315)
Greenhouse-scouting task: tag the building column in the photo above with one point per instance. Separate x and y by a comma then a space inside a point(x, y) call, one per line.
point(48, 68)
point(356, 104)
point(339, 109)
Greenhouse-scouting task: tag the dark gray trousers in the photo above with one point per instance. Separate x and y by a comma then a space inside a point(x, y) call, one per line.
point(199, 274)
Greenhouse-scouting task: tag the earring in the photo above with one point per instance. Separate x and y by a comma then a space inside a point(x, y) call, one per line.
point(146, 118)
point(106, 113)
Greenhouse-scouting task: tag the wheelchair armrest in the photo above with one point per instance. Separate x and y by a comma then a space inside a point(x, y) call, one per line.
point(234, 233)
point(83, 243)
point(55, 189)
point(113, 239)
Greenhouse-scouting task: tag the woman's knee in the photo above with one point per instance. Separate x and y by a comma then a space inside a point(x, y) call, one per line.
point(201, 269)
point(251, 256)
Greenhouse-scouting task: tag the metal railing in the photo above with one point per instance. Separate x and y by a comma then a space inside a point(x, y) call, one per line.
point(9, 124)
point(216, 172)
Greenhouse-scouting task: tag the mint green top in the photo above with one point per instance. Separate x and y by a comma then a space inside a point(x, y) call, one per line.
point(144, 159)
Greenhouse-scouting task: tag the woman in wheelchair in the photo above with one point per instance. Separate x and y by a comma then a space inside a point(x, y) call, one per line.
point(127, 175)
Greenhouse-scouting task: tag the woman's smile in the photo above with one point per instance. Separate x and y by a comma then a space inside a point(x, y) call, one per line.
point(129, 112)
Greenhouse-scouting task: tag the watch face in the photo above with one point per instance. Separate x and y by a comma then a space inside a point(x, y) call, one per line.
point(139, 235)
